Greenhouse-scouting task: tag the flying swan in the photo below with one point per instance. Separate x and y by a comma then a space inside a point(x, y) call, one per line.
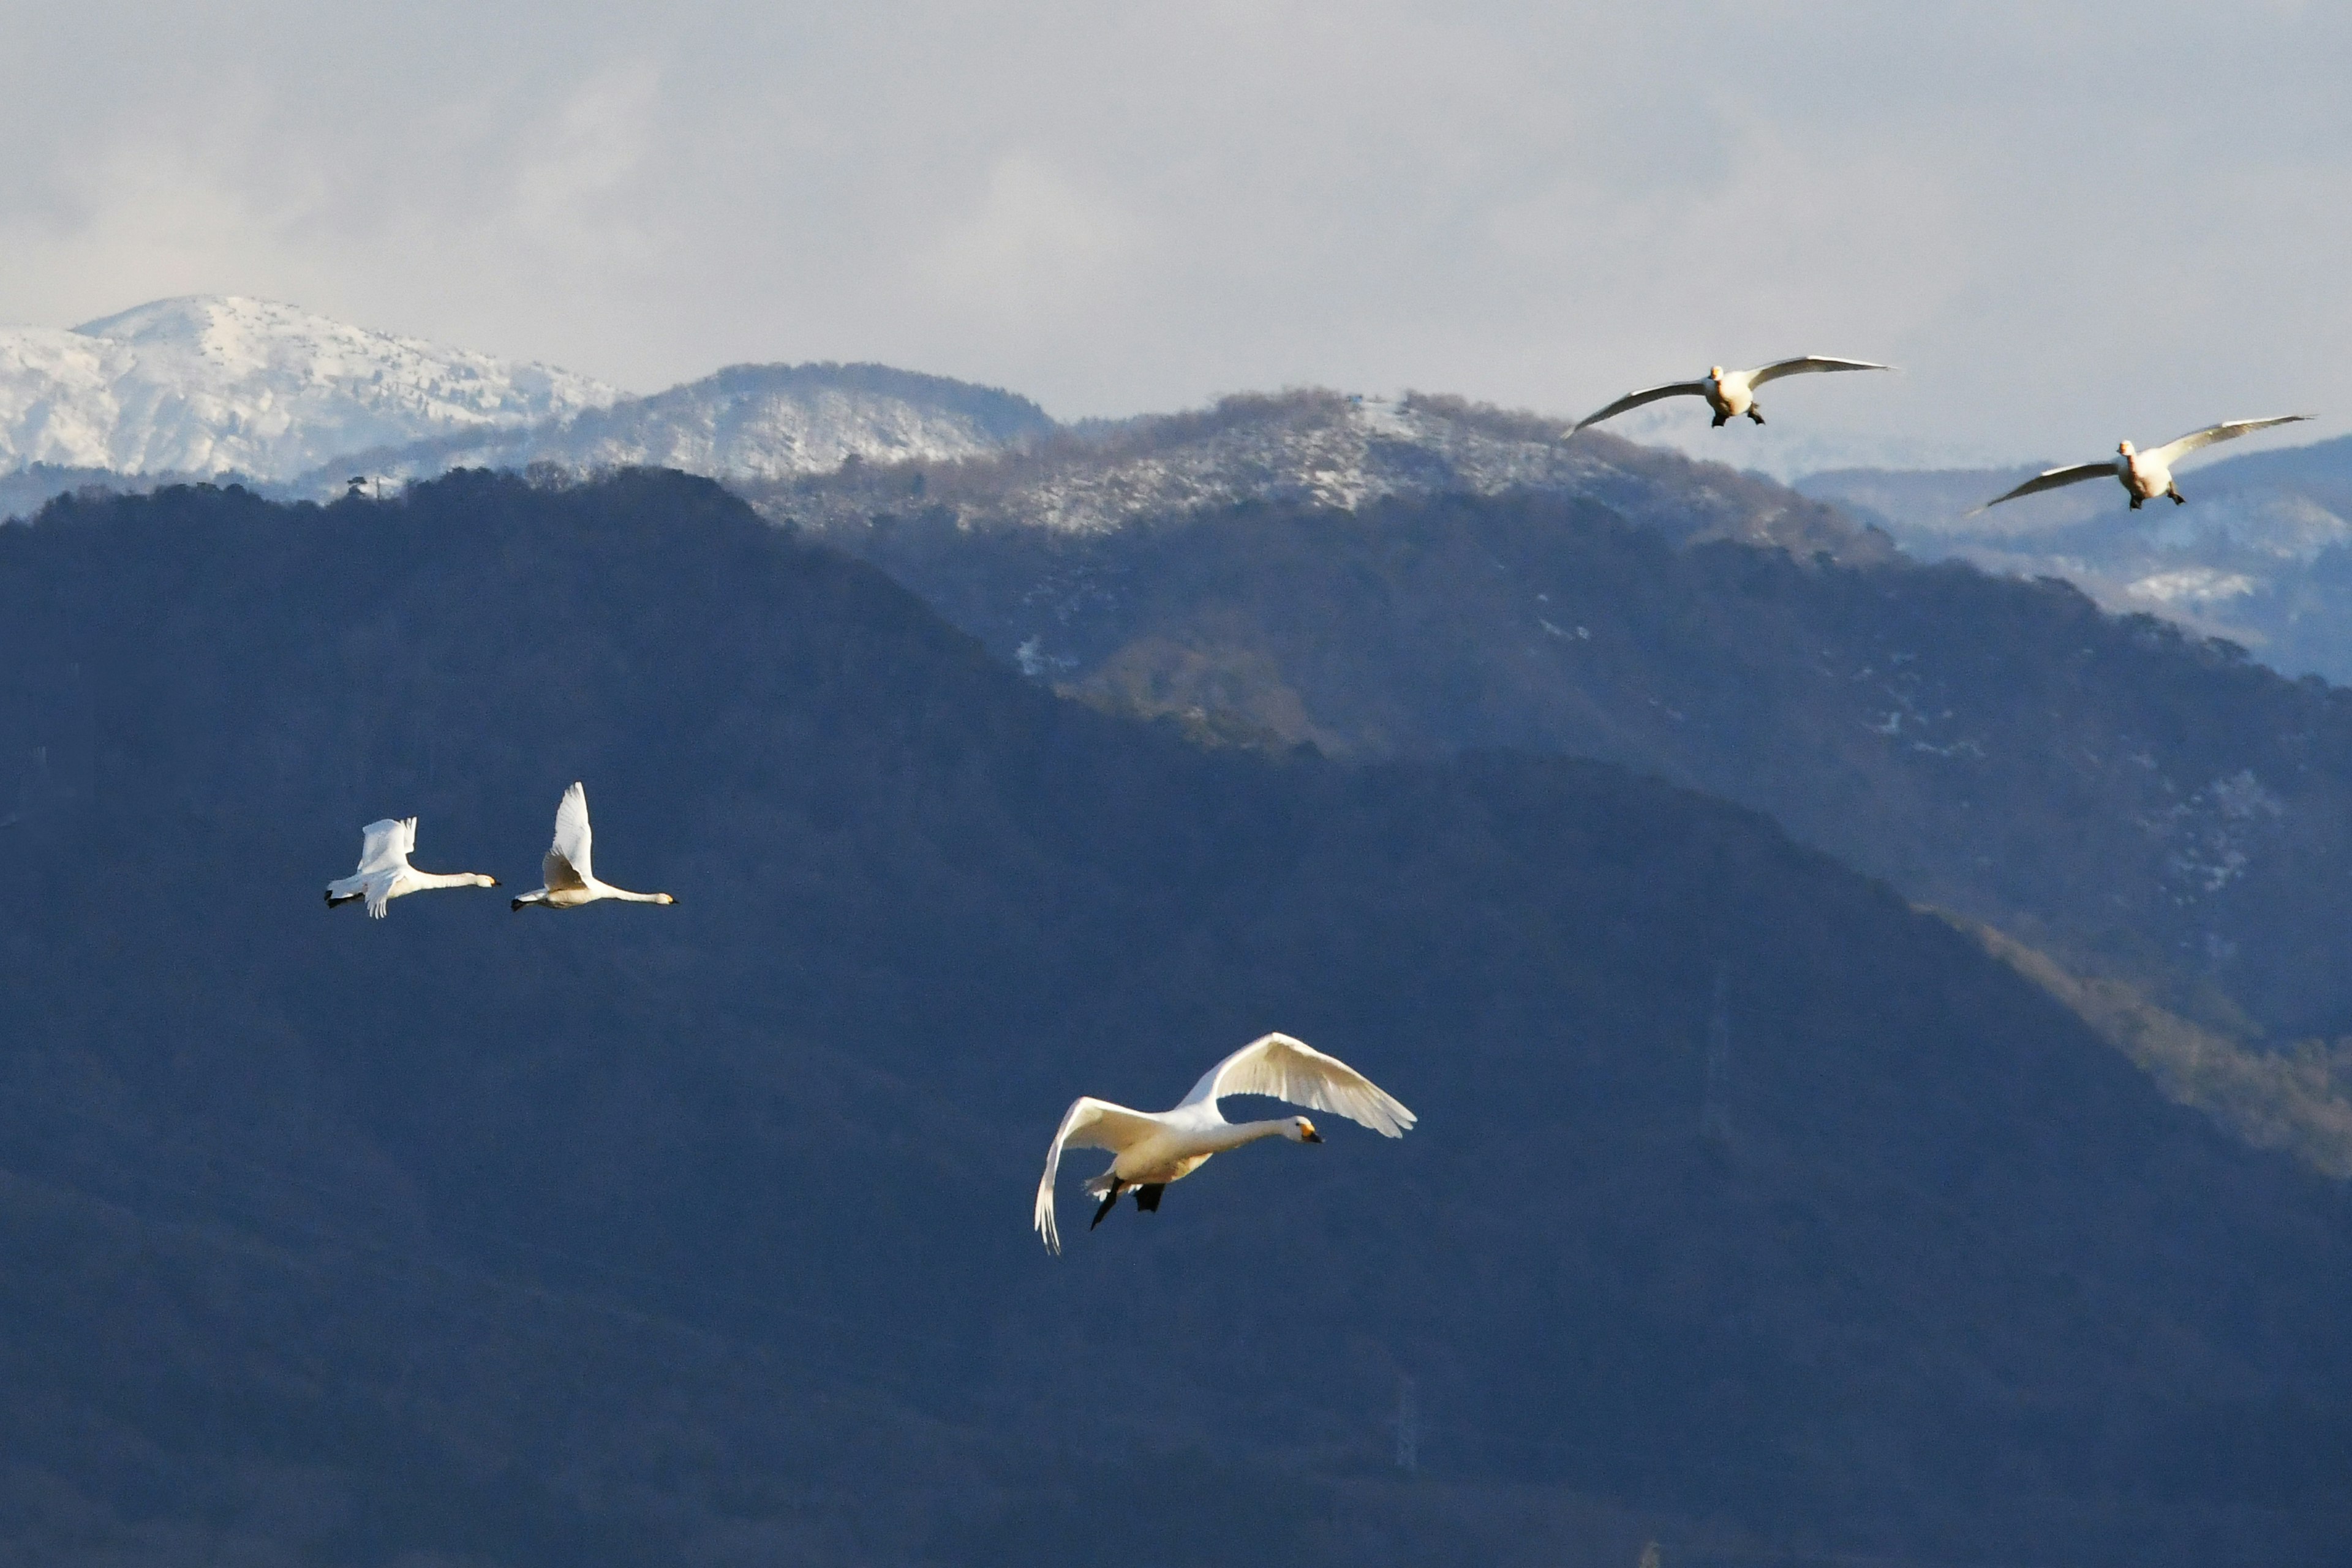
point(2144, 475)
point(385, 873)
point(569, 882)
point(1153, 1149)
point(1731, 394)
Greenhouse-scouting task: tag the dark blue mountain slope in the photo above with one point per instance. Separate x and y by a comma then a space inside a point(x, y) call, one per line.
point(1749, 1207)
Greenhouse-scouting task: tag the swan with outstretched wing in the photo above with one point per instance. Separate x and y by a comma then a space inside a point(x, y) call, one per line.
point(1730, 392)
point(2144, 475)
point(570, 879)
point(385, 873)
point(1150, 1149)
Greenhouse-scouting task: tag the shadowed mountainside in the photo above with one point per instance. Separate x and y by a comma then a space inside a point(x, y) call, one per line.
point(1748, 1208)
point(2134, 800)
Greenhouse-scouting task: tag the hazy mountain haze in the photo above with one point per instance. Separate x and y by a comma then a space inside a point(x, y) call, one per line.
point(1123, 207)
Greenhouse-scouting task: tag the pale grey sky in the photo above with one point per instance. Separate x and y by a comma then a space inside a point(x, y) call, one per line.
point(2067, 222)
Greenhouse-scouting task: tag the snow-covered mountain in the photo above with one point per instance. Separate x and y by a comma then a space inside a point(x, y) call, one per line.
point(747, 422)
point(1323, 447)
point(217, 383)
point(213, 385)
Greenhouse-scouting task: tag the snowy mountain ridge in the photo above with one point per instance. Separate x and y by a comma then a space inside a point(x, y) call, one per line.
point(746, 421)
point(221, 384)
point(216, 386)
point(1319, 448)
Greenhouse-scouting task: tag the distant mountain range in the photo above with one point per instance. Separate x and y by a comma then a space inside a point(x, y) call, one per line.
point(218, 387)
point(2262, 554)
point(1304, 567)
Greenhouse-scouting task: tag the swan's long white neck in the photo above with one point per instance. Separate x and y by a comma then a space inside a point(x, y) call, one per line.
point(423, 879)
point(610, 892)
point(1234, 1134)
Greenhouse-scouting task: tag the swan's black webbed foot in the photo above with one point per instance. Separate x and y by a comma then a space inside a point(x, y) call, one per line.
point(1112, 1198)
point(2134, 503)
point(1147, 1196)
point(1719, 420)
point(2178, 499)
point(1752, 413)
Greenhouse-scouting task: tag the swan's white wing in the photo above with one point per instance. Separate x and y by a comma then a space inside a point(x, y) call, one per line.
point(2051, 479)
point(1800, 366)
point(1089, 1123)
point(566, 865)
point(1635, 400)
point(407, 836)
point(378, 893)
point(384, 846)
point(2228, 430)
point(1295, 1071)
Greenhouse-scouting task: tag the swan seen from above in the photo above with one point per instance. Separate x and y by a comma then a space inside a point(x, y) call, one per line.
point(1730, 392)
point(571, 882)
point(2144, 475)
point(385, 873)
point(1150, 1149)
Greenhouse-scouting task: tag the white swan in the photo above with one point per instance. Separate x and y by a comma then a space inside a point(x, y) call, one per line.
point(570, 881)
point(2144, 475)
point(1153, 1149)
point(385, 873)
point(1730, 394)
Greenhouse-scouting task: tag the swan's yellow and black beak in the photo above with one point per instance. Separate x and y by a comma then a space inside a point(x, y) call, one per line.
point(1307, 1133)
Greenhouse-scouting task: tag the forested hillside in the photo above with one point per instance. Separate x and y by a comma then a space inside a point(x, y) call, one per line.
point(2144, 802)
point(1749, 1209)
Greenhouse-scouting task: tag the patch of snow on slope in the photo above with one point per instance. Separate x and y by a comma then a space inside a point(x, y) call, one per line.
point(212, 384)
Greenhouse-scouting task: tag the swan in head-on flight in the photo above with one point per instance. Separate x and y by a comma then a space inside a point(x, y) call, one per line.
point(2144, 475)
point(569, 882)
point(1152, 1149)
point(1730, 392)
point(385, 873)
